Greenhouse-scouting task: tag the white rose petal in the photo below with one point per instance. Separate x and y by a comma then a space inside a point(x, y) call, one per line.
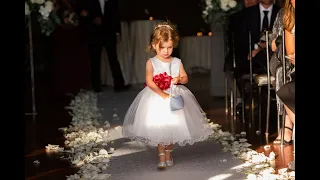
point(232, 3)
point(26, 9)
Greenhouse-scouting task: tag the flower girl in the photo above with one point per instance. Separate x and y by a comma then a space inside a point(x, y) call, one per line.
point(156, 117)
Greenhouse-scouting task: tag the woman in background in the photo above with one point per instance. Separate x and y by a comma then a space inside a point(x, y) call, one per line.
point(287, 92)
point(71, 61)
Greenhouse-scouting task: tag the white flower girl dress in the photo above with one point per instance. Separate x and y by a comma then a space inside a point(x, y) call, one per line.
point(150, 120)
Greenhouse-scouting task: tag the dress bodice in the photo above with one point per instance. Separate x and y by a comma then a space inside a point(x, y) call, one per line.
point(161, 67)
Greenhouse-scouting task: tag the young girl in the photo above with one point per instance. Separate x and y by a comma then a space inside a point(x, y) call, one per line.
point(149, 118)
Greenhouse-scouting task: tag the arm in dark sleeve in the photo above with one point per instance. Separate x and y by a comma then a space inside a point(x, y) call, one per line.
point(89, 6)
point(231, 31)
point(78, 6)
point(115, 9)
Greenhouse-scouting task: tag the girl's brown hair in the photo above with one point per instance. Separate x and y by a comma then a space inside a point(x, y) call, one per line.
point(288, 16)
point(163, 32)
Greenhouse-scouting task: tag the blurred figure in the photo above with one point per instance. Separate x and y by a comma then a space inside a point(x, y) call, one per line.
point(71, 59)
point(258, 19)
point(235, 39)
point(280, 3)
point(287, 92)
point(276, 69)
point(102, 29)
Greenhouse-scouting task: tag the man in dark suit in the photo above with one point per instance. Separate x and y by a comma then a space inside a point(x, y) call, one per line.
point(102, 29)
point(249, 19)
point(258, 19)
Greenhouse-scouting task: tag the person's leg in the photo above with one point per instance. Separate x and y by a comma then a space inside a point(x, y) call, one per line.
point(169, 159)
point(290, 114)
point(162, 159)
point(289, 123)
point(287, 131)
point(95, 60)
point(111, 47)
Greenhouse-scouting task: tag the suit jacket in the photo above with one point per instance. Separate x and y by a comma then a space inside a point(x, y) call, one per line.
point(252, 22)
point(110, 19)
point(240, 24)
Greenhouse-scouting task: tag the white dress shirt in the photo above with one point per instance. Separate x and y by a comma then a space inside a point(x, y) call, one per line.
point(102, 5)
point(262, 14)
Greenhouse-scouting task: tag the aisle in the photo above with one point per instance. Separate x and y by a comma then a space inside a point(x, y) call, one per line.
point(135, 161)
point(202, 161)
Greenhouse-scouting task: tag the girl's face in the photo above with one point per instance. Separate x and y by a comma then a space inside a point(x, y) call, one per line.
point(165, 50)
point(293, 2)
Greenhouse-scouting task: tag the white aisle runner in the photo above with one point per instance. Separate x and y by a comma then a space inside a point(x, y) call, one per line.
point(134, 161)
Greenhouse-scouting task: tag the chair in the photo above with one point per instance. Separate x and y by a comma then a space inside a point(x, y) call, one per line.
point(233, 91)
point(265, 80)
point(284, 80)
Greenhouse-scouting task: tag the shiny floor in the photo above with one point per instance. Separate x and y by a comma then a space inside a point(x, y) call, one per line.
point(42, 129)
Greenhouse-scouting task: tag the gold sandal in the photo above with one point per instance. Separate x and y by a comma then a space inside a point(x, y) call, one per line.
point(169, 162)
point(161, 165)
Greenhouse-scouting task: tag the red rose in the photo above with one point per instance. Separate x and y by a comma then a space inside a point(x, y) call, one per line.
point(162, 80)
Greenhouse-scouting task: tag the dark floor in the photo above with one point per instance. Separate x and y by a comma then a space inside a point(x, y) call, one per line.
point(43, 129)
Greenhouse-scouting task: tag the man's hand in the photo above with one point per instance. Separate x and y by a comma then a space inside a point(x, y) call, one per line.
point(97, 20)
point(254, 53)
point(84, 13)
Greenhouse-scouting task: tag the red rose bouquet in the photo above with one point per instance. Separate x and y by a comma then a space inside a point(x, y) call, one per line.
point(162, 80)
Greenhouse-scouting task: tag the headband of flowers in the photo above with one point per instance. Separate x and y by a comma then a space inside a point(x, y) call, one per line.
point(163, 25)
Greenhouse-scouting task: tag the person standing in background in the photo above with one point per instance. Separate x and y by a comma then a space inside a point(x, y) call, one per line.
point(71, 66)
point(102, 29)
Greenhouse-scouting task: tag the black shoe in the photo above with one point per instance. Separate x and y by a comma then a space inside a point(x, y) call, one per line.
point(122, 88)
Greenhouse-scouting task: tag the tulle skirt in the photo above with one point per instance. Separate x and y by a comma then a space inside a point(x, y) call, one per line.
point(150, 120)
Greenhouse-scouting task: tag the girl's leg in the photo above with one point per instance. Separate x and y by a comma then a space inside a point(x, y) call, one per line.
point(168, 151)
point(169, 159)
point(162, 158)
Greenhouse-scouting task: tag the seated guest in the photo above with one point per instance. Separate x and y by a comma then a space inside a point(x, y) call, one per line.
point(236, 48)
point(277, 72)
point(287, 92)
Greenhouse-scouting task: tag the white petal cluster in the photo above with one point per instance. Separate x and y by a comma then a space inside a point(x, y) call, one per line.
point(46, 7)
point(86, 139)
point(256, 165)
point(208, 7)
point(37, 1)
point(226, 5)
point(26, 9)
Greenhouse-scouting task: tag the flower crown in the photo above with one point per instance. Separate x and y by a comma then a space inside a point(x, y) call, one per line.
point(163, 25)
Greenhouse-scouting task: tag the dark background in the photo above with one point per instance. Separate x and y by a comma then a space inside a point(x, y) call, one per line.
point(186, 14)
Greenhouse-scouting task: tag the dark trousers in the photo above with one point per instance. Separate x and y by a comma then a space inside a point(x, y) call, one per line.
point(95, 50)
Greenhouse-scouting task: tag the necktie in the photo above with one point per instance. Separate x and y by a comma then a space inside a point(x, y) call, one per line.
point(265, 22)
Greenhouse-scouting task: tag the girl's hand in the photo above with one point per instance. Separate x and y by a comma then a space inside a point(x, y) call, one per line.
point(176, 80)
point(165, 96)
